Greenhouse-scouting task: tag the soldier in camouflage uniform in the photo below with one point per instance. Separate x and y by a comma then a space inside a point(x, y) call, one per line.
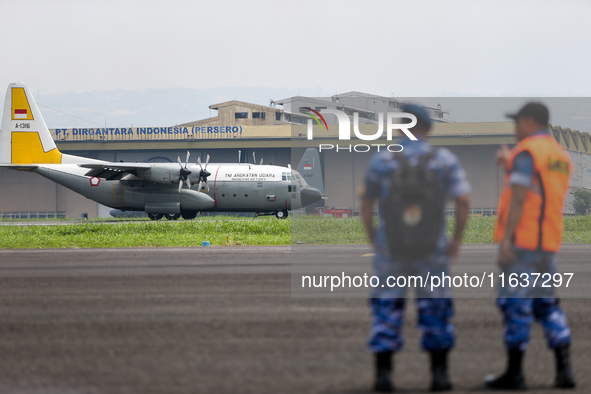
point(387, 303)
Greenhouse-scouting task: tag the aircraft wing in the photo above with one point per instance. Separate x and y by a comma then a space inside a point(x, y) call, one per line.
point(112, 171)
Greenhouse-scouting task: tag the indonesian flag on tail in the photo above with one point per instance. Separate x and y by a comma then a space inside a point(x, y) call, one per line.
point(20, 114)
point(307, 166)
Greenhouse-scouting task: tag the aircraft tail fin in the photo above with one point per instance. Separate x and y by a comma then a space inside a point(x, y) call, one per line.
point(310, 169)
point(24, 136)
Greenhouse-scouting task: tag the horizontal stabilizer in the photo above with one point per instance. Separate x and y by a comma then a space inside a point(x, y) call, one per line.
point(20, 167)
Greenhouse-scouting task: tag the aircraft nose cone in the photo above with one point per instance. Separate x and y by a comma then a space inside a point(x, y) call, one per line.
point(310, 195)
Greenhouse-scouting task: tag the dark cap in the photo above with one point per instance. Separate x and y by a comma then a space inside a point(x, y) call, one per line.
point(536, 111)
point(420, 112)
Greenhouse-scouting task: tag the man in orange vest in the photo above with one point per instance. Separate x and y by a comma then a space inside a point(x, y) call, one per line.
point(529, 229)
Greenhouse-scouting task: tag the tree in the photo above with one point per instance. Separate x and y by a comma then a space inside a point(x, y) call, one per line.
point(582, 201)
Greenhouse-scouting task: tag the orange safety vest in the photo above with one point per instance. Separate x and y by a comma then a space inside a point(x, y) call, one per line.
point(540, 226)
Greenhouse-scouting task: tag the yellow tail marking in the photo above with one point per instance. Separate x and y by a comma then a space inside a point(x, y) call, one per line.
point(21, 110)
point(27, 149)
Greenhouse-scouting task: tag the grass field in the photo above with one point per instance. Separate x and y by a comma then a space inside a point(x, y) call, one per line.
point(338, 231)
point(267, 231)
point(246, 231)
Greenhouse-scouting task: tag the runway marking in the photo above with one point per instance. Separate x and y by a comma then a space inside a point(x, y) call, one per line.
point(368, 255)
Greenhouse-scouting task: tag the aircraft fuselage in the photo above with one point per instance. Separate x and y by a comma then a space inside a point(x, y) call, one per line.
point(232, 188)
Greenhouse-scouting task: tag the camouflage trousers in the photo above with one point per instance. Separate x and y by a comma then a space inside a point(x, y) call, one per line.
point(520, 305)
point(519, 314)
point(434, 320)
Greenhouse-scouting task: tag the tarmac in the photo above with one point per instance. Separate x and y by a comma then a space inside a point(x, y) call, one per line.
point(222, 320)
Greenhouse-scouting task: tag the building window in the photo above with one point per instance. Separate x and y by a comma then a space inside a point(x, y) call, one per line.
point(277, 115)
point(258, 115)
point(241, 115)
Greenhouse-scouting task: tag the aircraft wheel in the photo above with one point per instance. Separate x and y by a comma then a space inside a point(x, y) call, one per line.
point(189, 215)
point(172, 216)
point(281, 214)
point(155, 216)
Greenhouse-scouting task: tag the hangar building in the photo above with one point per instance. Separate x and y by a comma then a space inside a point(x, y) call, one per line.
point(278, 135)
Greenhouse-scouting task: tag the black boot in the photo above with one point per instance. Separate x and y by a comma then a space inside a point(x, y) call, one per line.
point(383, 373)
point(440, 380)
point(513, 378)
point(564, 372)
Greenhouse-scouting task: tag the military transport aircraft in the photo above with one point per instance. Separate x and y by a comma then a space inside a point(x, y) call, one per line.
point(161, 189)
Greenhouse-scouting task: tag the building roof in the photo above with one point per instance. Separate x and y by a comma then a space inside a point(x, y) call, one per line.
point(243, 104)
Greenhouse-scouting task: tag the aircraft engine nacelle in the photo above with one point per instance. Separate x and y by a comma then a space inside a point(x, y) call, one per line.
point(160, 175)
point(192, 200)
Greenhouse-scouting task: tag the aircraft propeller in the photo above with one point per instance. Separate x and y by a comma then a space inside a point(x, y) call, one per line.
point(254, 159)
point(184, 174)
point(203, 174)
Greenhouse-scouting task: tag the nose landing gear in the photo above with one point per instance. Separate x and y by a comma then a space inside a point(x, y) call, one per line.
point(282, 214)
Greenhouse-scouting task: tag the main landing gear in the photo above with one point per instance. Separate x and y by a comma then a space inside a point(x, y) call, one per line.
point(173, 216)
point(189, 215)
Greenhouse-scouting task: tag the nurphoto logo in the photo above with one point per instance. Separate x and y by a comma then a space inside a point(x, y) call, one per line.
point(344, 124)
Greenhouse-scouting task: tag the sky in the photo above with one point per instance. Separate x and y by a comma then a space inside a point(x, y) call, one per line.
point(136, 62)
